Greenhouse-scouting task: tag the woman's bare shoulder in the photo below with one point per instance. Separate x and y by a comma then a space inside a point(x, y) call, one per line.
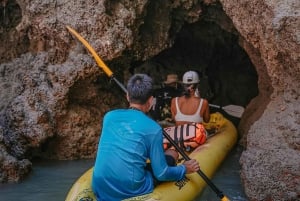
point(205, 102)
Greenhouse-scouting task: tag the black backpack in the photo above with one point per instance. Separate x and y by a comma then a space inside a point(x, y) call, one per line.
point(161, 110)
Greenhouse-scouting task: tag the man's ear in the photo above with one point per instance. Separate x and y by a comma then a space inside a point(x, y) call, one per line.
point(127, 97)
point(151, 98)
point(150, 102)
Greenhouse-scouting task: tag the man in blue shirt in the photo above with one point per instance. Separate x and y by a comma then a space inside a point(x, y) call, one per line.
point(129, 137)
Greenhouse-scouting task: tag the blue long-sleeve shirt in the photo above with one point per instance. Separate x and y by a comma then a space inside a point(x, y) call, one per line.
point(128, 139)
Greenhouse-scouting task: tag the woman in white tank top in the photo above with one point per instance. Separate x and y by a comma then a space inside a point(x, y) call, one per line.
point(190, 108)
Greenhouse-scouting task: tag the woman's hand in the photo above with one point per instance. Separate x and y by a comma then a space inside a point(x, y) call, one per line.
point(191, 144)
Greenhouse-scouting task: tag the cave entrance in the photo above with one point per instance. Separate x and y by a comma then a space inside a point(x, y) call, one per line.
point(11, 43)
point(227, 75)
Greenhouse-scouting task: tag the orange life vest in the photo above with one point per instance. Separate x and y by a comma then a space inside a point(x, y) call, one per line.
point(186, 133)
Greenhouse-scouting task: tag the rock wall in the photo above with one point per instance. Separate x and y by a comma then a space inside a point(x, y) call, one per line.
point(269, 163)
point(53, 96)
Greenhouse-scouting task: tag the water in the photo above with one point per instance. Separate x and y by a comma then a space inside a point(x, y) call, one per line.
point(51, 181)
point(227, 180)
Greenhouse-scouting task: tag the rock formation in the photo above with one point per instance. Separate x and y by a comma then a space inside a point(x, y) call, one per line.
point(53, 95)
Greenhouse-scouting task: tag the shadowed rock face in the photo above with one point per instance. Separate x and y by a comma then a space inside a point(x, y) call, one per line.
point(53, 96)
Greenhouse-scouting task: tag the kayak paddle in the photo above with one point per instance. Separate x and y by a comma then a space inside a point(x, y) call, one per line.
point(99, 61)
point(233, 110)
point(109, 73)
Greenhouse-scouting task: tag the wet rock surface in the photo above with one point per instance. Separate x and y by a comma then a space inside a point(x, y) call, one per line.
point(53, 96)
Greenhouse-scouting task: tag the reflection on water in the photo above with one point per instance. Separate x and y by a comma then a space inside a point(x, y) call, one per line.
point(51, 181)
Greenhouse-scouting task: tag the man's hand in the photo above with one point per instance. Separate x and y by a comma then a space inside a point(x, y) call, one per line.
point(191, 166)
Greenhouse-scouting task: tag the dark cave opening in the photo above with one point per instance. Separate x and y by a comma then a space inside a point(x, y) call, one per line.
point(227, 75)
point(11, 15)
point(10, 39)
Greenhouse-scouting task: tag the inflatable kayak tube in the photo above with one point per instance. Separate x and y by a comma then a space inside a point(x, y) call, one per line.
point(210, 155)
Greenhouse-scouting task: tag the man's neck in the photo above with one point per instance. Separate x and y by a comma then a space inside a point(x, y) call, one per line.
point(138, 107)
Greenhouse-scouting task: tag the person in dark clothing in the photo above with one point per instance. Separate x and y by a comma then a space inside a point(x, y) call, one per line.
point(171, 88)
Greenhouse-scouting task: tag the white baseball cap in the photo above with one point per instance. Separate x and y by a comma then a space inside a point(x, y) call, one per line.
point(190, 77)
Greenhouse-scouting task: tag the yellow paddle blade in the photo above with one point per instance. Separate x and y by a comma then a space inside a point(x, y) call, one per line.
point(225, 199)
point(99, 61)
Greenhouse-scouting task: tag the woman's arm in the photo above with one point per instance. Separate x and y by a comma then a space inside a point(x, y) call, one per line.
point(173, 108)
point(206, 112)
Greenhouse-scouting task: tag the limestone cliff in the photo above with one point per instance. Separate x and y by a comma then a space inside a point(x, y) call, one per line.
point(53, 96)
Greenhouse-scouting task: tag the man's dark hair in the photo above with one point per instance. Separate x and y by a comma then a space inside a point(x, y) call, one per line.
point(139, 88)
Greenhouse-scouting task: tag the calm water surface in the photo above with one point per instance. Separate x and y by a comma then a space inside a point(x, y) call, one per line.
point(227, 180)
point(51, 181)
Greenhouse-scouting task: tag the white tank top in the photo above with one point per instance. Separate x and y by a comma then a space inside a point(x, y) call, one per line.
point(196, 118)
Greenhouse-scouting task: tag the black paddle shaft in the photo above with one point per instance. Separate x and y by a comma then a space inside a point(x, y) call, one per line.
point(187, 158)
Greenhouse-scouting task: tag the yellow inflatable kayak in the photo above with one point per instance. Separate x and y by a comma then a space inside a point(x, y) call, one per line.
point(210, 155)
